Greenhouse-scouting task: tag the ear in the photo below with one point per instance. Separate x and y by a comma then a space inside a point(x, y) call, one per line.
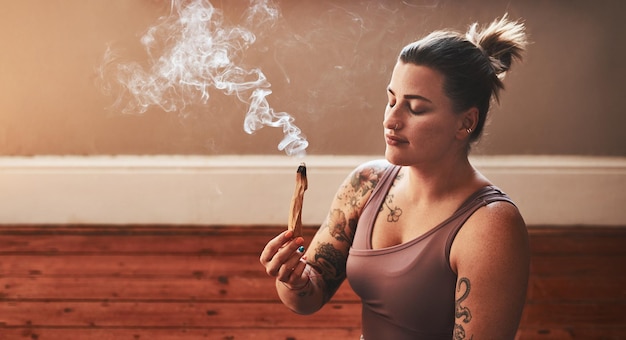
point(468, 122)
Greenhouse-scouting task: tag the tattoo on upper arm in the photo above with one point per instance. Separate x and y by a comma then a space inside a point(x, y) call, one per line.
point(462, 313)
point(337, 226)
point(330, 257)
point(353, 196)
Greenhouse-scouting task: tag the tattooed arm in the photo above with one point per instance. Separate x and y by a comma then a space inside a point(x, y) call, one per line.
point(491, 257)
point(325, 267)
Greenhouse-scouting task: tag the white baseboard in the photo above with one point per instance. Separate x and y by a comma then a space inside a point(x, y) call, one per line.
point(253, 190)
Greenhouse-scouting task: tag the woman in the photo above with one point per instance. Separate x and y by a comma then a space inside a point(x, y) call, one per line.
point(432, 247)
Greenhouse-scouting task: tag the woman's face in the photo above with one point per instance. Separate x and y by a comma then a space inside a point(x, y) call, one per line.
point(420, 125)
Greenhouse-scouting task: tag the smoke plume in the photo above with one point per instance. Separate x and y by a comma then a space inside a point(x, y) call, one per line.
point(192, 51)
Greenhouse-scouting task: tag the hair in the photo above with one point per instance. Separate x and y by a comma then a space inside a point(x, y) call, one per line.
point(473, 64)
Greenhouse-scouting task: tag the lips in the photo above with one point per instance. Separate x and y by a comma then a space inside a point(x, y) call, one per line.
point(394, 140)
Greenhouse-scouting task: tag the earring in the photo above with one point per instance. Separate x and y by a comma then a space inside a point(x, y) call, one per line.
point(469, 131)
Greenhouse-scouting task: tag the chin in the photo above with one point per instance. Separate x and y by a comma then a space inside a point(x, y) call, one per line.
point(394, 158)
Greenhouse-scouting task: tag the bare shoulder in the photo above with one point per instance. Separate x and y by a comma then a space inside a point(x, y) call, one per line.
point(495, 230)
point(496, 220)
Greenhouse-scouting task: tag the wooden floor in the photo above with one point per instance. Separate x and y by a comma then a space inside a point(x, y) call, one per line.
point(177, 282)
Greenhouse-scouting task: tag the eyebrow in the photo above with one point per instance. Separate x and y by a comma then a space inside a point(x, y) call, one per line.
point(411, 96)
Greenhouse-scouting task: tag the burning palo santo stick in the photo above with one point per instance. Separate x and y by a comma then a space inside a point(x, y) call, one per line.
point(295, 214)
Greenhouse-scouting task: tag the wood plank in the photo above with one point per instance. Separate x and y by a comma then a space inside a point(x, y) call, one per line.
point(131, 266)
point(544, 334)
point(272, 333)
point(545, 240)
point(573, 314)
point(172, 315)
point(572, 333)
point(577, 266)
point(131, 240)
point(600, 288)
point(212, 288)
point(93, 333)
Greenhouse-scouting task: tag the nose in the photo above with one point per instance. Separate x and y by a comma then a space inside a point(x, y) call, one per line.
point(391, 120)
point(391, 126)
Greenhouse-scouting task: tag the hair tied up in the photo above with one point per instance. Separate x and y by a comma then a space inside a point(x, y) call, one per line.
point(502, 41)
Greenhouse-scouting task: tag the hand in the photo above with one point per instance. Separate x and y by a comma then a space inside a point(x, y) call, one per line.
point(283, 258)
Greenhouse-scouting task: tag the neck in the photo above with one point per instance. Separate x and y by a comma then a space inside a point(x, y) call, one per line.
point(439, 182)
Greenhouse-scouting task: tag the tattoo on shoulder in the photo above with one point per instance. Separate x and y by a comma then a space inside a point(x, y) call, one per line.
point(364, 181)
point(463, 314)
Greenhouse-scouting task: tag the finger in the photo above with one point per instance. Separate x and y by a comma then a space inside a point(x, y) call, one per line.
point(300, 267)
point(274, 245)
point(296, 261)
point(299, 277)
point(285, 252)
point(285, 258)
point(294, 266)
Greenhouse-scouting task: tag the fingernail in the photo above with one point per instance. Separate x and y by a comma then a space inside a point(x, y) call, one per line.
point(289, 234)
point(301, 249)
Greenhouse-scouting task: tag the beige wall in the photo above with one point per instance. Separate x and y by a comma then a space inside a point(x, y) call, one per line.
point(328, 63)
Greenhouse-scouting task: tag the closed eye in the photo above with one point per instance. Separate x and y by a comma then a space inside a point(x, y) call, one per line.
point(416, 100)
point(418, 112)
point(391, 98)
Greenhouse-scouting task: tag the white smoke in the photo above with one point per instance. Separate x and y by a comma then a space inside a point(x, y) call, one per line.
point(192, 51)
